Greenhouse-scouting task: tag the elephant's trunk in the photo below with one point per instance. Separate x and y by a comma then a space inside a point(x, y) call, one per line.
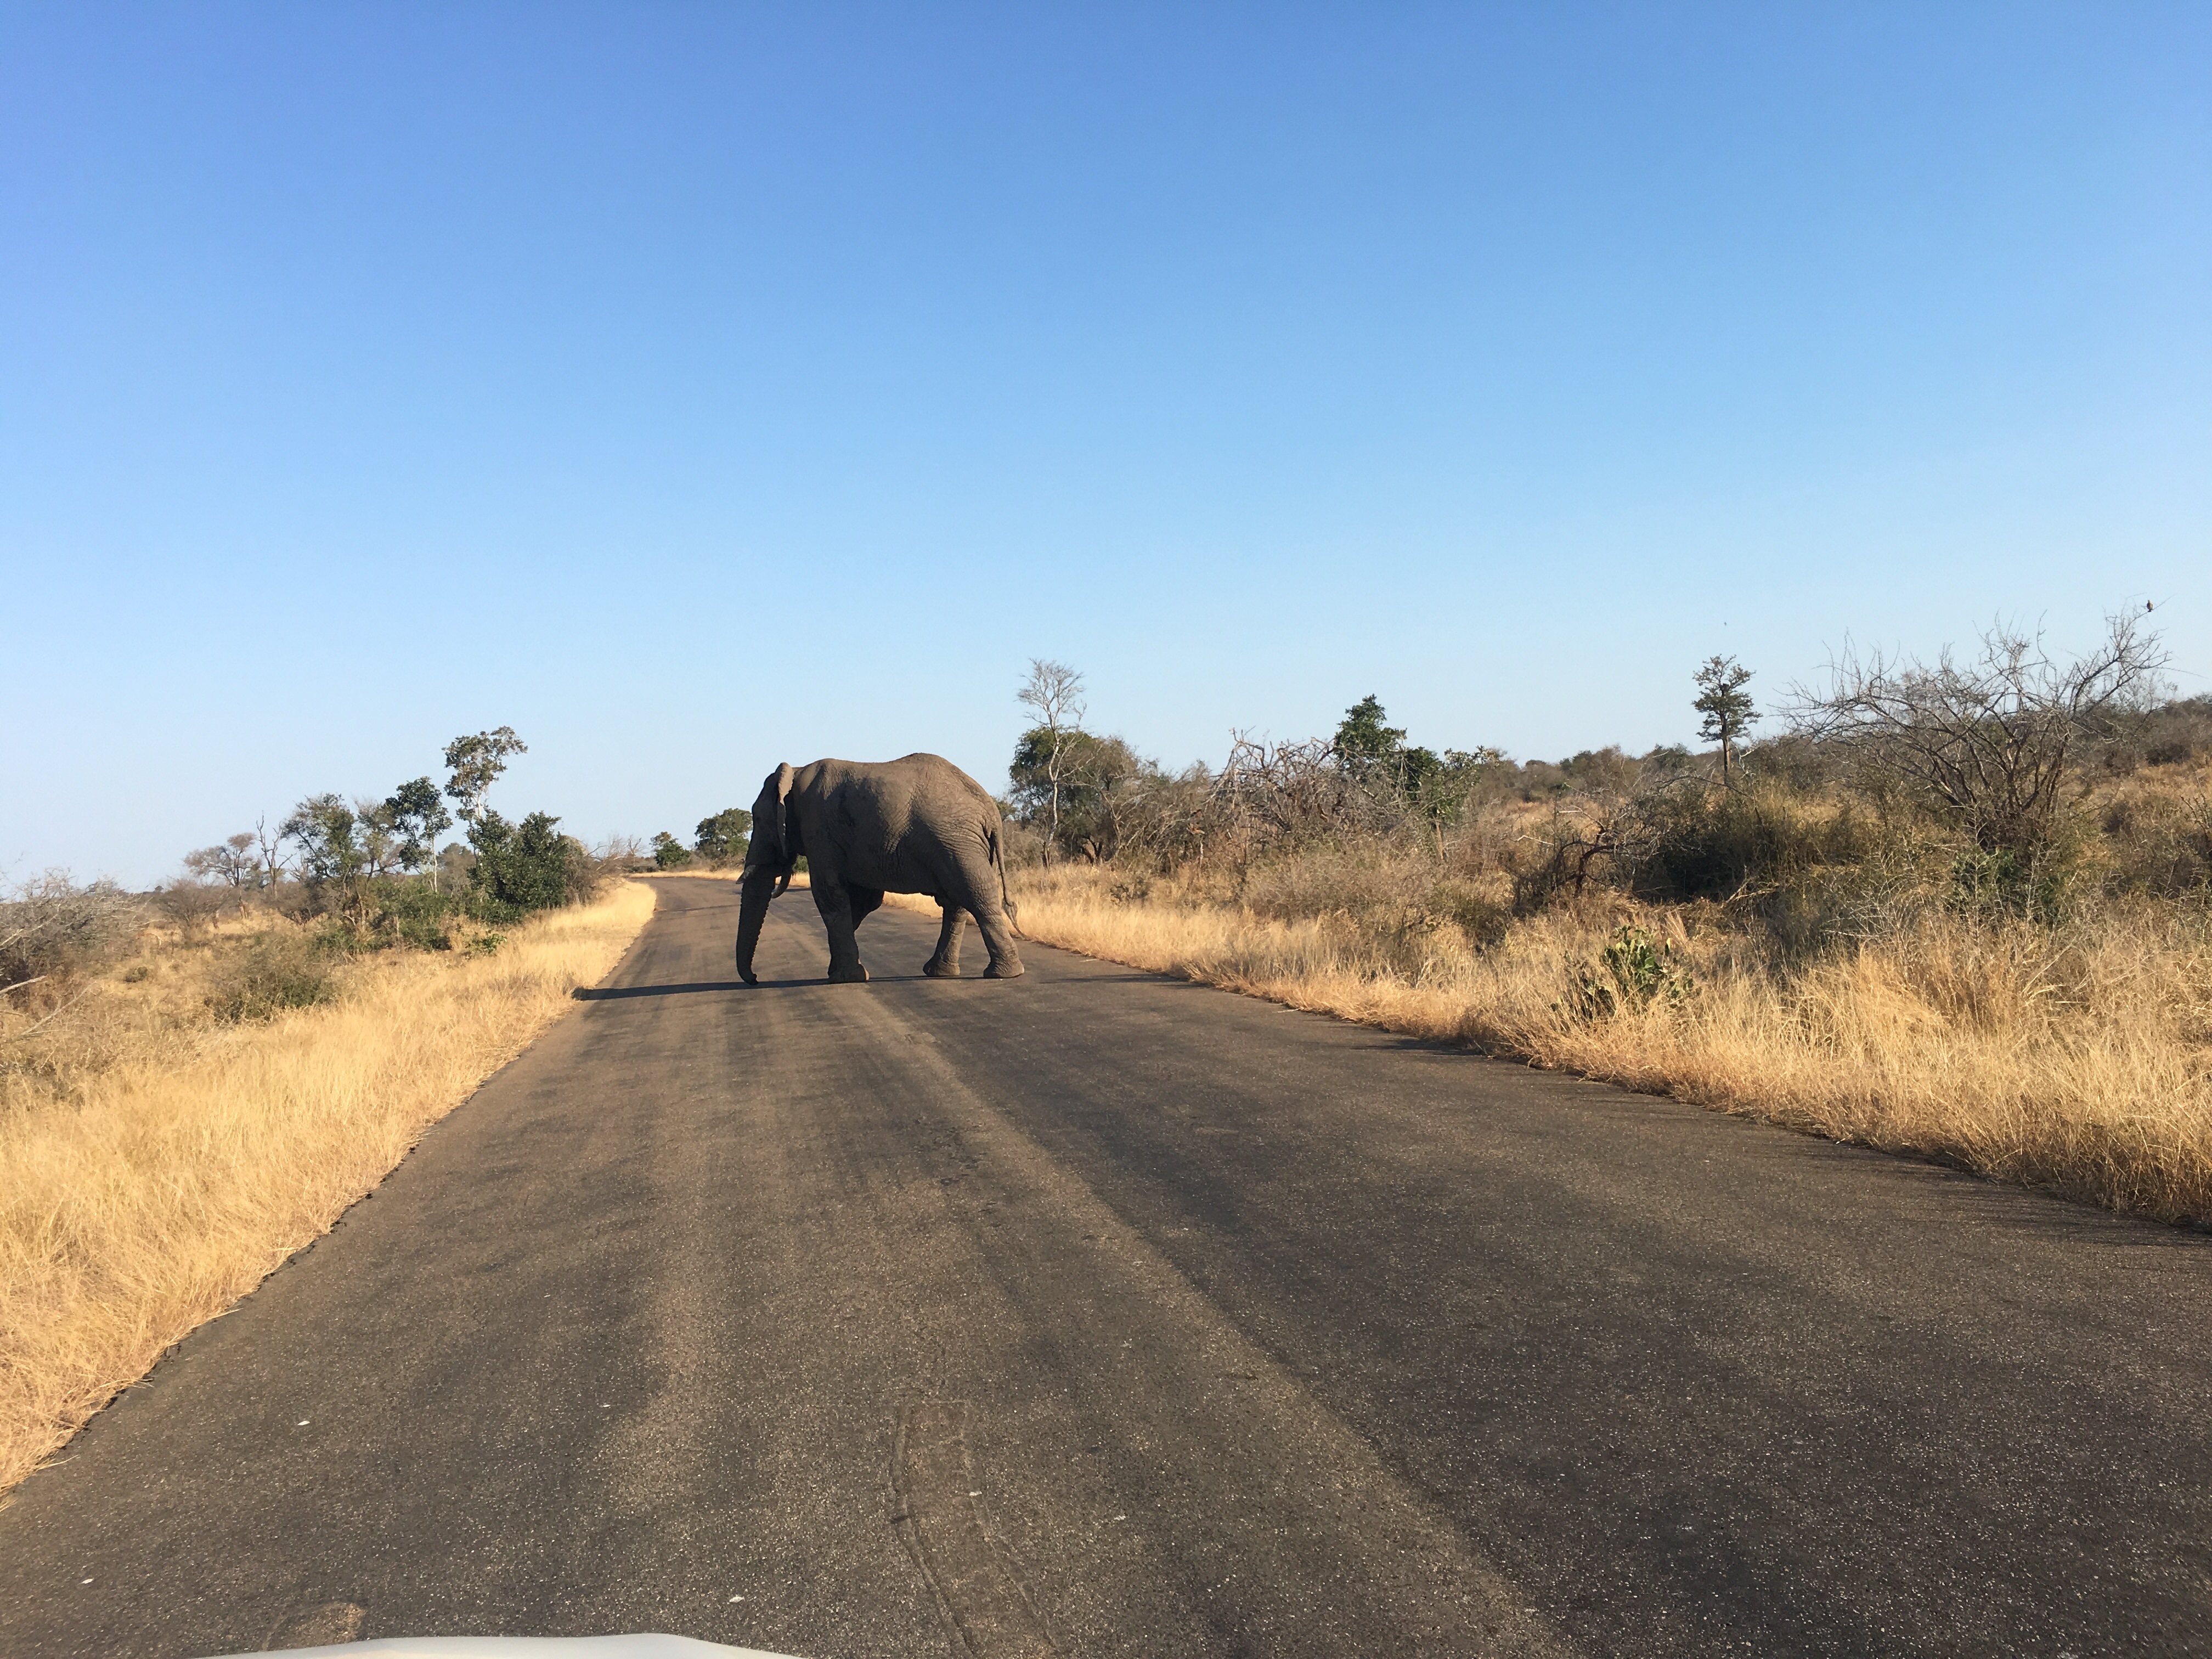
point(758, 888)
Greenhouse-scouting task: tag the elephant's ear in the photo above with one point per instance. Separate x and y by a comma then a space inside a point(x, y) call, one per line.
point(783, 777)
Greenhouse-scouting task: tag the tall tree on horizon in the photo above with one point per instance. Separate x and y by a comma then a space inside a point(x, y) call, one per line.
point(1727, 706)
point(1055, 691)
point(476, 762)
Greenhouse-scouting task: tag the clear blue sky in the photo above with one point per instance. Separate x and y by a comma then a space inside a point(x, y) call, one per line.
point(697, 386)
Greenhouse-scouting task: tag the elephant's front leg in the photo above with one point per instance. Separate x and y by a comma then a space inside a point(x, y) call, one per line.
point(945, 964)
point(835, 905)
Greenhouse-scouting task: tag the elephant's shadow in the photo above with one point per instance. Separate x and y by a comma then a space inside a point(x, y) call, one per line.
point(622, 992)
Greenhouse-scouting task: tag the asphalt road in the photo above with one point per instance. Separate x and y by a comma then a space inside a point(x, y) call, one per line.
point(1097, 1313)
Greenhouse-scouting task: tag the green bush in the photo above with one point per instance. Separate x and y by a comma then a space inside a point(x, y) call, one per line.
point(276, 972)
point(2042, 884)
point(1714, 844)
point(419, 915)
point(1632, 972)
point(379, 912)
point(523, 867)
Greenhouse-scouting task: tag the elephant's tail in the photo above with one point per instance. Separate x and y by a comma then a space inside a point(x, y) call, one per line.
point(1006, 899)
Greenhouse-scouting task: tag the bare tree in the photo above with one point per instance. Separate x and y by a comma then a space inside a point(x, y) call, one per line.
point(233, 862)
point(1287, 794)
point(1055, 691)
point(1987, 745)
point(1168, 815)
point(49, 927)
point(269, 847)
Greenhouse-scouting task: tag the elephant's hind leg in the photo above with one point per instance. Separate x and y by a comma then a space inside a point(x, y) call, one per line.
point(945, 964)
point(999, 936)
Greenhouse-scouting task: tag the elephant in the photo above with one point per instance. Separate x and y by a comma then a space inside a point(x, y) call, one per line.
point(919, 824)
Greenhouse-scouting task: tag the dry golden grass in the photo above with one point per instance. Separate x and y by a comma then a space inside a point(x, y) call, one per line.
point(2078, 1059)
point(156, 1168)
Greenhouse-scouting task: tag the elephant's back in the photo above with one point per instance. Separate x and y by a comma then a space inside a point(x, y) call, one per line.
point(917, 824)
point(924, 774)
point(920, 793)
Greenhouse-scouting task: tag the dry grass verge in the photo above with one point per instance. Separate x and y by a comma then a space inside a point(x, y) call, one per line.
point(2077, 1059)
point(156, 1169)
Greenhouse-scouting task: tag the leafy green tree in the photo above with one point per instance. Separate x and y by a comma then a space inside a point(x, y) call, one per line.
point(1363, 742)
point(1100, 780)
point(379, 839)
point(724, 836)
point(1441, 792)
point(669, 852)
point(1727, 706)
point(1419, 771)
point(417, 815)
point(1031, 774)
point(475, 763)
point(328, 835)
point(1078, 787)
point(337, 856)
point(521, 867)
point(1376, 753)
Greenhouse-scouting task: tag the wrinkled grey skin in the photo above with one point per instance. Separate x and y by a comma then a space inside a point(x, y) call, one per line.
point(914, 825)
